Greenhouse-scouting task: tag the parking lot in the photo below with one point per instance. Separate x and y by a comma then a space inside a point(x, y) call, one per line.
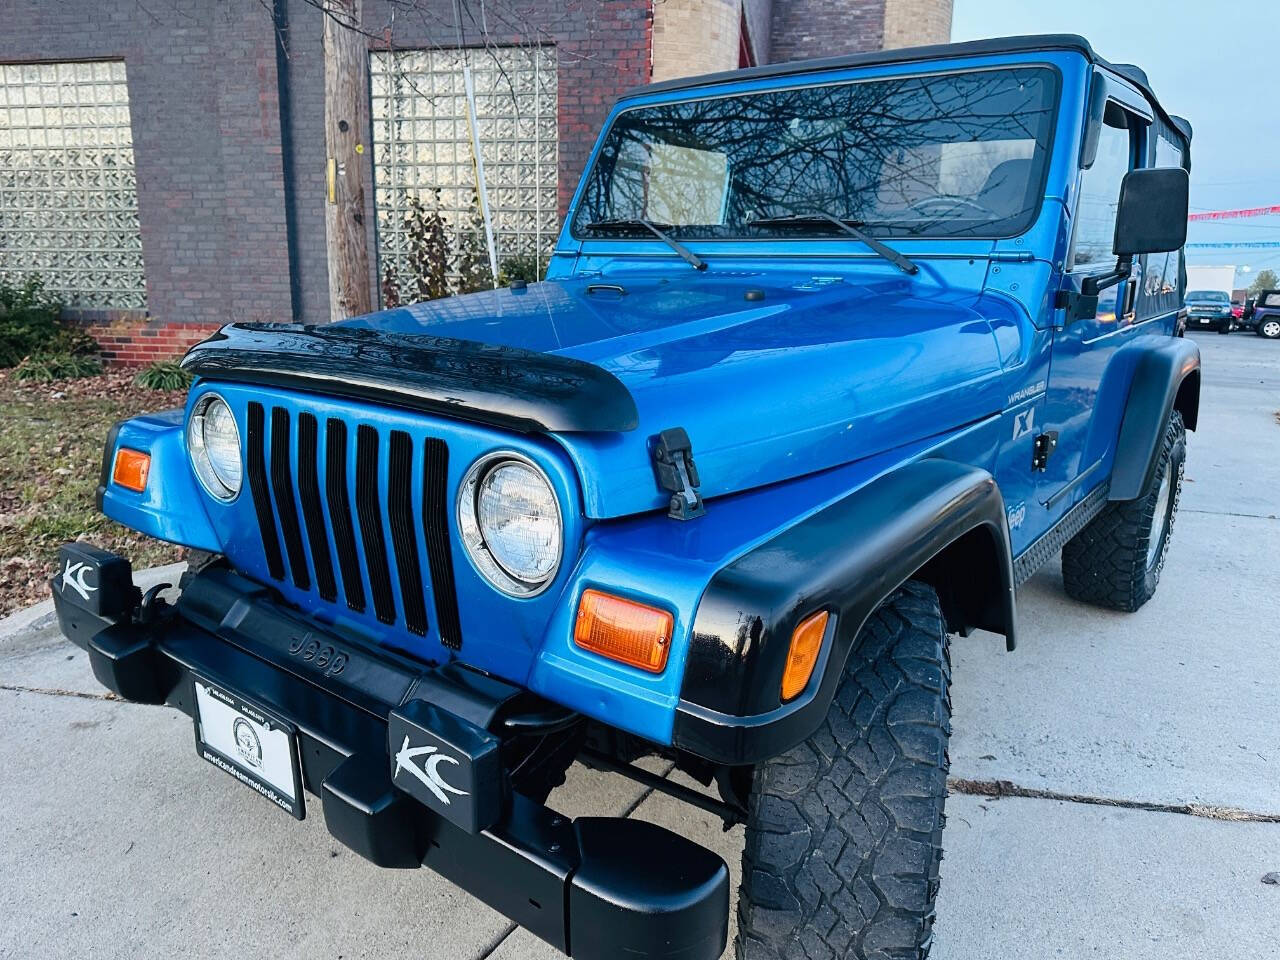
point(1116, 780)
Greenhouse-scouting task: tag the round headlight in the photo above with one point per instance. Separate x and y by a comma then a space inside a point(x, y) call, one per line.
point(510, 523)
point(213, 443)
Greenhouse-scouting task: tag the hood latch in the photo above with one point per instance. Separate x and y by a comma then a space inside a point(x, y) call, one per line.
point(672, 454)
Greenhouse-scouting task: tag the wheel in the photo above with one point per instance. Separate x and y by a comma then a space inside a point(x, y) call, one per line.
point(1224, 327)
point(1269, 328)
point(1116, 560)
point(844, 832)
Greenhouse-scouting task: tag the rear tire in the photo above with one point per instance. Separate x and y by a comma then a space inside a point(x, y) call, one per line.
point(844, 834)
point(1117, 559)
point(1269, 328)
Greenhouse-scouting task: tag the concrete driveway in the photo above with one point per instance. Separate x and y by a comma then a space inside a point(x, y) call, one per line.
point(1116, 780)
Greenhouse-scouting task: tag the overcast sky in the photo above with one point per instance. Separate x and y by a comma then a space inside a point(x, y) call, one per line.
point(1215, 63)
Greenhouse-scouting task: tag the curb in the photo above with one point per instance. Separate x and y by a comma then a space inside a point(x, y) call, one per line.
point(41, 615)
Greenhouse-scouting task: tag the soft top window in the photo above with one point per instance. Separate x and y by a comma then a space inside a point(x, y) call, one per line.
point(950, 155)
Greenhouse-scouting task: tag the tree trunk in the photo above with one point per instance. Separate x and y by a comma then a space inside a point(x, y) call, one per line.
point(346, 129)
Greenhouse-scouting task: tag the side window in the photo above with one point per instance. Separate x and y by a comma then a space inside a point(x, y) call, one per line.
point(1161, 272)
point(1095, 217)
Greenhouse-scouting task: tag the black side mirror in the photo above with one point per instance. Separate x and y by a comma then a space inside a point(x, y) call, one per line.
point(1152, 217)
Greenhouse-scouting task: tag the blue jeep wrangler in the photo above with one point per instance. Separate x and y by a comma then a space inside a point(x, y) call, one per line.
point(831, 357)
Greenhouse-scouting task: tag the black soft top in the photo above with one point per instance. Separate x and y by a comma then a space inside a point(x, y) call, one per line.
point(941, 51)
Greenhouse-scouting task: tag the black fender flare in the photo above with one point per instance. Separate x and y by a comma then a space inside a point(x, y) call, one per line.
point(1166, 377)
point(936, 520)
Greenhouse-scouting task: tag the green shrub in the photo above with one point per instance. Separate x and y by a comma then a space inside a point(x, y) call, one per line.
point(29, 325)
point(163, 375)
point(44, 367)
point(522, 266)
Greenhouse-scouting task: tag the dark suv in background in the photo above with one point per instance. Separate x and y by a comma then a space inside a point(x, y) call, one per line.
point(1209, 309)
point(1264, 318)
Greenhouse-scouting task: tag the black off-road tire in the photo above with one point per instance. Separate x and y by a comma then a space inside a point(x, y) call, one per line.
point(1112, 561)
point(844, 836)
point(1268, 328)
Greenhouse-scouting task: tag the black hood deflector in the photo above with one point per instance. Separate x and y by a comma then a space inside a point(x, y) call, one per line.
point(504, 386)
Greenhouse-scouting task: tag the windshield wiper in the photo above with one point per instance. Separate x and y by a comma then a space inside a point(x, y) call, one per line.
point(636, 223)
point(848, 226)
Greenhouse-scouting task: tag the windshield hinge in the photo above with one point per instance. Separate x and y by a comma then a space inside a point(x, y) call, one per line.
point(1013, 256)
point(673, 463)
point(1043, 448)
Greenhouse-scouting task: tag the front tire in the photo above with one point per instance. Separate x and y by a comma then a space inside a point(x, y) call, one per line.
point(1224, 327)
point(1117, 559)
point(844, 833)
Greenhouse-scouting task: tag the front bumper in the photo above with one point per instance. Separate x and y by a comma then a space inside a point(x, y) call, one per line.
point(592, 887)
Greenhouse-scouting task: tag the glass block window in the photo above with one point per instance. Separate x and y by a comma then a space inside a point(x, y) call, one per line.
point(68, 194)
point(422, 143)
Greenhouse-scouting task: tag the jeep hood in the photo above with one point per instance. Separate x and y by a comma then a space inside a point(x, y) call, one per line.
point(772, 375)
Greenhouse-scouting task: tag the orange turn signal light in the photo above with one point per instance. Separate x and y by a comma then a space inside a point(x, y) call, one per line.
point(131, 469)
point(806, 643)
point(623, 630)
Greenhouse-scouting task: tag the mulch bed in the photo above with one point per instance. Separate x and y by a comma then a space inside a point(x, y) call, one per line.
point(51, 437)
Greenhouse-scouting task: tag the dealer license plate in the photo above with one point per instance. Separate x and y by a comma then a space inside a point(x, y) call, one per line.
point(251, 744)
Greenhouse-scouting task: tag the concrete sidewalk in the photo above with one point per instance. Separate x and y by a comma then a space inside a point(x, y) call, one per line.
point(117, 841)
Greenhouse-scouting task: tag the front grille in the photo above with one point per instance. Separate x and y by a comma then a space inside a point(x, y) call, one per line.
point(282, 486)
point(284, 470)
point(404, 541)
point(261, 495)
point(340, 512)
point(369, 511)
point(309, 494)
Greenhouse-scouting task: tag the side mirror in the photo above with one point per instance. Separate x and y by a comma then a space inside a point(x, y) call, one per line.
point(1152, 216)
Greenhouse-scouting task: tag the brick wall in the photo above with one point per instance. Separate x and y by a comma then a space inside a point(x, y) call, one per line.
point(221, 242)
point(126, 342)
point(695, 36)
point(206, 146)
point(759, 14)
point(913, 23)
point(602, 49)
point(803, 29)
point(207, 135)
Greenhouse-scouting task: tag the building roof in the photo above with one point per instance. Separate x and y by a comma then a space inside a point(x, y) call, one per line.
point(941, 51)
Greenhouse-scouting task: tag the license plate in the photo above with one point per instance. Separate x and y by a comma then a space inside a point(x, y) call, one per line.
point(249, 743)
point(1205, 320)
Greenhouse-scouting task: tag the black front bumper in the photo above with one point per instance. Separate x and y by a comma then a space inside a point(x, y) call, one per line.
point(593, 887)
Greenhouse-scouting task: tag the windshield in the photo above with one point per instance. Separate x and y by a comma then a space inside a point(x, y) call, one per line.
point(955, 155)
point(1215, 295)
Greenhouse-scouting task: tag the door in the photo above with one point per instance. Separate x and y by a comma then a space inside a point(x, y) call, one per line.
point(1079, 413)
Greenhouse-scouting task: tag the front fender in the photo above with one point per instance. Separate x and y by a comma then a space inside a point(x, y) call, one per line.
point(1166, 377)
point(169, 508)
point(847, 559)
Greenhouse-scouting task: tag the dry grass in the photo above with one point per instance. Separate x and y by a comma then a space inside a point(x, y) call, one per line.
point(51, 437)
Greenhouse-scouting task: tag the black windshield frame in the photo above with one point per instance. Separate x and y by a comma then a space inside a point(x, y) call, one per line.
point(597, 179)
